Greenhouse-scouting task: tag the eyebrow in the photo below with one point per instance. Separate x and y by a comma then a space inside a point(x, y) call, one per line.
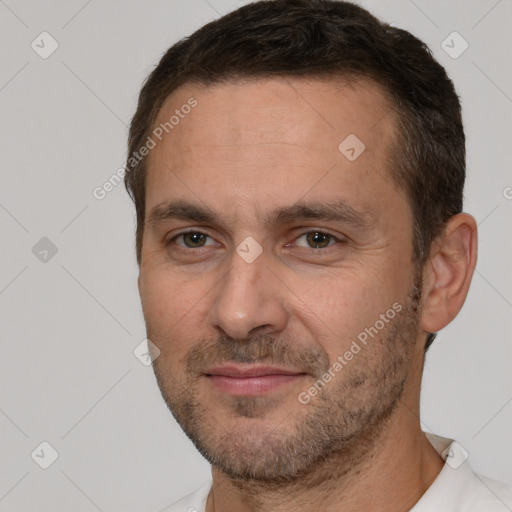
point(337, 211)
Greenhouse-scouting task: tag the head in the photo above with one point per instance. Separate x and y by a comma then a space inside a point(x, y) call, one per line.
point(299, 200)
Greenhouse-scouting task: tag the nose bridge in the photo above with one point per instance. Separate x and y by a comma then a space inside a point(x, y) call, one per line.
point(247, 298)
point(244, 275)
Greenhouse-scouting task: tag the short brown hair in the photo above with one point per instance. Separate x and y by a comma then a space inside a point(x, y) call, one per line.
point(319, 38)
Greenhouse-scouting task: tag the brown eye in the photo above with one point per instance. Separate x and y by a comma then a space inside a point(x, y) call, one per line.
point(318, 240)
point(191, 239)
point(194, 239)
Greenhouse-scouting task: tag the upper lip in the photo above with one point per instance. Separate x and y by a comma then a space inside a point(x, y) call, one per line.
point(250, 371)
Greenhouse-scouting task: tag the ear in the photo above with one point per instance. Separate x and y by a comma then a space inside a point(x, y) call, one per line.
point(448, 272)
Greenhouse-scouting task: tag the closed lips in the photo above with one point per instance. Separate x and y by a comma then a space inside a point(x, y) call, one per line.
point(252, 371)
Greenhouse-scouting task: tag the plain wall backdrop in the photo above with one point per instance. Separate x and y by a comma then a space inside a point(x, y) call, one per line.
point(70, 316)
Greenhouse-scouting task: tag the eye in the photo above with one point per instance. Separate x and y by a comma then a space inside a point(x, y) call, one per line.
point(310, 240)
point(191, 240)
point(318, 240)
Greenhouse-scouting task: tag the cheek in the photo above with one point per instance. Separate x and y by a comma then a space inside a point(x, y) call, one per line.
point(336, 309)
point(171, 307)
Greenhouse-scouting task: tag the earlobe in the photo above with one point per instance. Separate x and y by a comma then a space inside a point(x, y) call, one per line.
point(448, 273)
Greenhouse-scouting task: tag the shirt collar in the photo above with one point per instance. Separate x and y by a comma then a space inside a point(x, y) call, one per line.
point(446, 490)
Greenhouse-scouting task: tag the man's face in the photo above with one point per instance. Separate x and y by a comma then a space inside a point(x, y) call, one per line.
point(255, 296)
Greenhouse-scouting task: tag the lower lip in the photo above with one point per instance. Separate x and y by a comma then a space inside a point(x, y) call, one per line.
point(251, 386)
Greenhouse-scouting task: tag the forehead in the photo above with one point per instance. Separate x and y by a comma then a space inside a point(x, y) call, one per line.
point(259, 138)
point(242, 108)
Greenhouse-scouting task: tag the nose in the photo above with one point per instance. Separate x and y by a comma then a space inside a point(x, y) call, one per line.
point(249, 298)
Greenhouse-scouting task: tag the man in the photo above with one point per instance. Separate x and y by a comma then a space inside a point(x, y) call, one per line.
point(297, 168)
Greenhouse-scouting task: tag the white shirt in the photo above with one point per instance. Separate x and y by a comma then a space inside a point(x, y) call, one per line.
point(456, 489)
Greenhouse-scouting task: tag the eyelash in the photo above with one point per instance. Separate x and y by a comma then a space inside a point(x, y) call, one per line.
point(334, 238)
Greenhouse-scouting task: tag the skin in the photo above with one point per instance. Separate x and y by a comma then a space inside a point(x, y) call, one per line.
point(245, 150)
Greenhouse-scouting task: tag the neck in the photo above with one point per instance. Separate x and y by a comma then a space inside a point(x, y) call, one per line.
point(388, 470)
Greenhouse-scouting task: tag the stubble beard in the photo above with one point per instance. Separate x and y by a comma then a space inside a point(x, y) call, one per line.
point(343, 420)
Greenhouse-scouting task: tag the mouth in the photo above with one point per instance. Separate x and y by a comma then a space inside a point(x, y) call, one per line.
point(250, 380)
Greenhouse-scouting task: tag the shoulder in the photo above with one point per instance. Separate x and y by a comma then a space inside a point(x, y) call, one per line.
point(484, 494)
point(194, 502)
point(458, 488)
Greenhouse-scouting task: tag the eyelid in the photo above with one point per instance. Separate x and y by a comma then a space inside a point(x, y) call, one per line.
point(337, 239)
point(190, 230)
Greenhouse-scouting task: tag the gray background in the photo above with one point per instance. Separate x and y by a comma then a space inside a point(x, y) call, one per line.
point(69, 325)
